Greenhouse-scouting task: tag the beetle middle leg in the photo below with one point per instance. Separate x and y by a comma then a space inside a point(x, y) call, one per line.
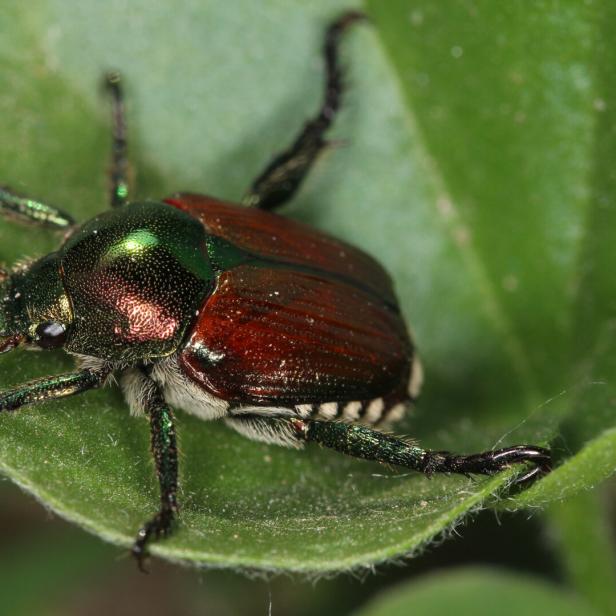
point(363, 442)
point(283, 176)
point(164, 450)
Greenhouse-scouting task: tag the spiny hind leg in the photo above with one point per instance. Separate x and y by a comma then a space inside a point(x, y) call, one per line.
point(364, 442)
point(361, 441)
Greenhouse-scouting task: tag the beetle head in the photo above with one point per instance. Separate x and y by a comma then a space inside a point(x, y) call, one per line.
point(34, 308)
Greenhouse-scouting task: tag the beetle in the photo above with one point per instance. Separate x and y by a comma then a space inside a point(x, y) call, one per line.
point(227, 311)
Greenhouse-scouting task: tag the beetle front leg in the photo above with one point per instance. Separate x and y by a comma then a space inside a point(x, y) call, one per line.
point(51, 388)
point(164, 450)
point(32, 211)
point(363, 442)
point(283, 176)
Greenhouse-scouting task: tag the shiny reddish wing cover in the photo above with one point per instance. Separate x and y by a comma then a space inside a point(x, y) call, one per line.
point(286, 241)
point(281, 335)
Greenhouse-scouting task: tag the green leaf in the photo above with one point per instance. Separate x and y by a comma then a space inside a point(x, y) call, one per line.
point(475, 166)
point(476, 591)
point(585, 542)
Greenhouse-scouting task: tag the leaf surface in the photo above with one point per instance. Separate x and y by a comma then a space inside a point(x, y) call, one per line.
point(475, 166)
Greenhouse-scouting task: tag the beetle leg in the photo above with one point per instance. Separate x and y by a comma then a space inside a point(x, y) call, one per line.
point(285, 173)
point(362, 442)
point(52, 387)
point(29, 210)
point(164, 450)
point(119, 160)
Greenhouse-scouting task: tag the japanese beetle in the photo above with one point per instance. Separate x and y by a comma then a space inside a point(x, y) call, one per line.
point(227, 311)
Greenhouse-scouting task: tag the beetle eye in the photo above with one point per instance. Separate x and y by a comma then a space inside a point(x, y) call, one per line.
point(50, 334)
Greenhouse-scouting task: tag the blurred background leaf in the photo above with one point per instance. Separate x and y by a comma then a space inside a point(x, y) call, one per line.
point(476, 591)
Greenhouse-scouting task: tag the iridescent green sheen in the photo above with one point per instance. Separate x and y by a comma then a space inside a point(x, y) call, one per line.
point(121, 192)
point(28, 209)
point(50, 387)
point(224, 255)
point(137, 276)
point(363, 442)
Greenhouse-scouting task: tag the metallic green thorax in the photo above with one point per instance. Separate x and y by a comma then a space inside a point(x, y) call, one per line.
point(136, 277)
